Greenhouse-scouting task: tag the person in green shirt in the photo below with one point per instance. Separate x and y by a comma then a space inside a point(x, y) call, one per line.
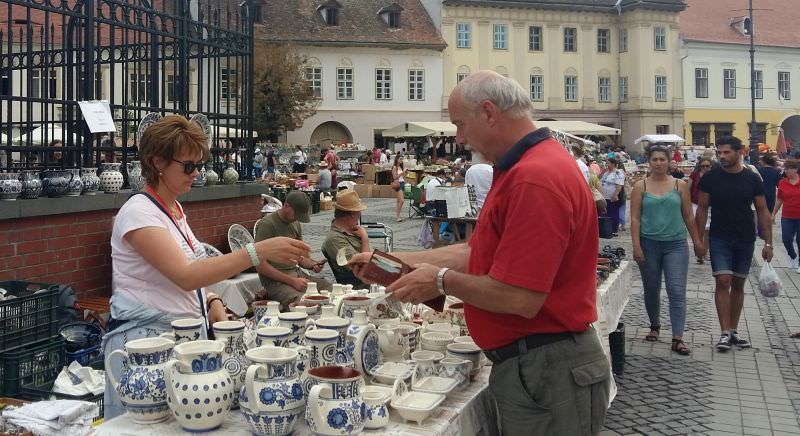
point(346, 234)
point(283, 282)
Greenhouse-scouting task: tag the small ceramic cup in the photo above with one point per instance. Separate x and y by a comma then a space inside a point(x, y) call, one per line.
point(277, 336)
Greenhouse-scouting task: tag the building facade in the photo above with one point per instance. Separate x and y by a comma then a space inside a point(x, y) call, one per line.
point(586, 60)
point(373, 64)
point(716, 69)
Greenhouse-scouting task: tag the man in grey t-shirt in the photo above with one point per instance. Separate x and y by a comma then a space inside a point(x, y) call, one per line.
point(325, 176)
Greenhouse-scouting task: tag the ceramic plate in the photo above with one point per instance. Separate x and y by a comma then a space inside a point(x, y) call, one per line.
point(238, 237)
point(146, 122)
point(211, 251)
point(370, 352)
point(202, 121)
point(388, 372)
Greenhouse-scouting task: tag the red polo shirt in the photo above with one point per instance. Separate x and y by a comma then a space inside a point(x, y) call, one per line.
point(790, 194)
point(538, 231)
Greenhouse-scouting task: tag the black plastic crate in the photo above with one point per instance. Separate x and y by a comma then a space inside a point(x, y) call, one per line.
point(35, 364)
point(29, 317)
point(44, 391)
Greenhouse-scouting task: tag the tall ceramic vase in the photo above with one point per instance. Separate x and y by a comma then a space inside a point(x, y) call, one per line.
point(75, 186)
point(211, 176)
point(111, 179)
point(230, 175)
point(10, 186)
point(31, 184)
point(136, 180)
point(231, 334)
point(91, 183)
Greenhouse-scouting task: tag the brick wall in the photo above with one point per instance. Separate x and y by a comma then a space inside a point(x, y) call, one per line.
point(75, 248)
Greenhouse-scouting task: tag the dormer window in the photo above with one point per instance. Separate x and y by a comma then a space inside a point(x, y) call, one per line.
point(391, 15)
point(330, 12)
point(742, 25)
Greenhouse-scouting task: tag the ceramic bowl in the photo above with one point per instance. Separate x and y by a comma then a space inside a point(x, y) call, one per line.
point(464, 340)
point(437, 339)
point(443, 327)
point(307, 307)
point(381, 321)
point(425, 355)
point(469, 352)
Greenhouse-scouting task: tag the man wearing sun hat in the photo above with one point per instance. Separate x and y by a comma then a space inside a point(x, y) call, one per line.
point(287, 283)
point(346, 234)
point(325, 177)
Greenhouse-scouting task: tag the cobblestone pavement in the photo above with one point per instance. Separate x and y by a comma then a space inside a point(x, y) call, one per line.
point(741, 392)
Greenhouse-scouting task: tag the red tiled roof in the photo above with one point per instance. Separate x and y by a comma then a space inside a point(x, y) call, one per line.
point(775, 21)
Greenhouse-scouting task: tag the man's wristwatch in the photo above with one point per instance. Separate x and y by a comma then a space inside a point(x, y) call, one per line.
point(768, 245)
point(440, 280)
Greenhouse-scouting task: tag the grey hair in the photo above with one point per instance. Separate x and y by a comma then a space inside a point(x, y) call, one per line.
point(505, 93)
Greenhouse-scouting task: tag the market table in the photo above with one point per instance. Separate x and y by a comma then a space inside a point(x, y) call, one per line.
point(238, 292)
point(468, 222)
point(468, 412)
point(612, 297)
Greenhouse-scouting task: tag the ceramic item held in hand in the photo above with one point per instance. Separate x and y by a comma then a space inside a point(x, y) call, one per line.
point(111, 178)
point(456, 368)
point(272, 398)
point(274, 336)
point(377, 413)
point(55, 183)
point(212, 178)
point(91, 183)
point(230, 176)
point(335, 404)
point(266, 313)
point(141, 386)
point(10, 186)
point(231, 334)
point(362, 343)
point(31, 184)
point(185, 330)
point(75, 186)
point(136, 180)
point(199, 390)
point(238, 237)
point(469, 352)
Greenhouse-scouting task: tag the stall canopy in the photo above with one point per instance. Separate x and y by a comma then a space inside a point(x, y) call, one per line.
point(420, 129)
point(230, 132)
point(660, 138)
point(41, 135)
point(578, 128)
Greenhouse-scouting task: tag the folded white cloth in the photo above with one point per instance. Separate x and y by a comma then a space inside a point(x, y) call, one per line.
point(54, 418)
point(80, 380)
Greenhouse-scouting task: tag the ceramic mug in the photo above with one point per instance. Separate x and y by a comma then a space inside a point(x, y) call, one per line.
point(276, 336)
point(426, 362)
point(456, 368)
point(295, 321)
point(185, 330)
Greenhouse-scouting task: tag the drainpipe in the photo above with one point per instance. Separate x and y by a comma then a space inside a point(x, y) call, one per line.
point(618, 6)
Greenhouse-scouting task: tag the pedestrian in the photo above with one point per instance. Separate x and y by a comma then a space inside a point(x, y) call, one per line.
point(398, 184)
point(770, 176)
point(325, 181)
point(731, 190)
point(300, 159)
point(332, 161)
point(612, 182)
point(577, 151)
point(661, 212)
point(258, 158)
point(674, 171)
point(789, 200)
point(703, 166)
point(272, 161)
point(528, 290)
point(595, 168)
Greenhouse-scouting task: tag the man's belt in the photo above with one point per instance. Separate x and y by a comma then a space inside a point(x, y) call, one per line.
point(522, 345)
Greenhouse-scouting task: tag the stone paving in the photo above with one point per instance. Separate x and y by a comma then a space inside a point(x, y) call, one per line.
point(741, 392)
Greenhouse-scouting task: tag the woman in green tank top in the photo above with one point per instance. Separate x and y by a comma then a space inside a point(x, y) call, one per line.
point(661, 212)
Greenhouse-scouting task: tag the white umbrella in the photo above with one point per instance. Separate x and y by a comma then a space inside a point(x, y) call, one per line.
point(43, 136)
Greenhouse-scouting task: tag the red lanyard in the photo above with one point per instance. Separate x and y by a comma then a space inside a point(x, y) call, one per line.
point(183, 225)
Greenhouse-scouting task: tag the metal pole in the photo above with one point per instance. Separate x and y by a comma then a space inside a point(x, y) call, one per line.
point(753, 127)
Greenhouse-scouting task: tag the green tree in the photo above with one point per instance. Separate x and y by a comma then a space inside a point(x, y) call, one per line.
point(282, 99)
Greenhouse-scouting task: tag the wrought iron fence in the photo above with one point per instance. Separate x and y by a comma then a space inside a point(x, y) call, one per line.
point(142, 56)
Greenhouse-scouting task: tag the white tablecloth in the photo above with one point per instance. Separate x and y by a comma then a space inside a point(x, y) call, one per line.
point(612, 297)
point(468, 412)
point(237, 293)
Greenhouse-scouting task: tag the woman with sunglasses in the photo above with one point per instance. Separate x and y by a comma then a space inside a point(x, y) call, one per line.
point(661, 213)
point(703, 166)
point(159, 268)
point(789, 200)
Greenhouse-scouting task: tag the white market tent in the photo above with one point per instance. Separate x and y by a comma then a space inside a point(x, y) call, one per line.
point(229, 132)
point(420, 129)
point(41, 135)
point(660, 138)
point(578, 128)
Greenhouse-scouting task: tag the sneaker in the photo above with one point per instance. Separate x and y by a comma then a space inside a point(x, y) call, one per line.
point(739, 341)
point(724, 343)
point(794, 264)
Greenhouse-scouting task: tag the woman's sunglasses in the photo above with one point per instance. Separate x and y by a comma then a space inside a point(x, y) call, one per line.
point(189, 166)
point(705, 166)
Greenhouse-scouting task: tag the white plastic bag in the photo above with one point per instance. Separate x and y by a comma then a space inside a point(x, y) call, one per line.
point(768, 281)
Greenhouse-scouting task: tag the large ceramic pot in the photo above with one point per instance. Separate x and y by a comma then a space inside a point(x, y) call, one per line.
point(335, 405)
point(91, 183)
point(141, 386)
point(212, 178)
point(136, 180)
point(199, 390)
point(200, 180)
point(31, 184)
point(231, 334)
point(272, 398)
point(10, 186)
point(56, 183)
point(230, 175)
point(75, 186)
point(362, 343)
point(111, 178)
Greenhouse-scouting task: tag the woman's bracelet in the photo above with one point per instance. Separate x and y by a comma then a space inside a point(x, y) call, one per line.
point(251, 250)
point(213, 299)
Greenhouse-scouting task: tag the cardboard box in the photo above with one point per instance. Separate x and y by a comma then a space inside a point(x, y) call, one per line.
point(364, 191)
point(386, 191)
point(369, 172)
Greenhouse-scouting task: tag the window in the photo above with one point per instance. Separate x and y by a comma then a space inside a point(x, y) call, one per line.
point(758, 84)
point(784, 86)
point(660, 35)
point(570, 39)
point(229, 83)
point(500, 37)
point(383, 84)
point(416, 84)
point(5, 84)
point(537, 87)
point(98, 83)
point(534, 38)
point(394, 20)
point(723, 129)
point(729, 83)
point(623, 40)
point(170, 91)
point(314, 80)
point(662, 129)
point(623, 89)
point(761, 131)
point(332, 16)
point(344, 83)
point(701, 82)
point(701, 134)
point(571, 88)
point(139, 87)
point(604, 89)
point(603, 37)
point(44, 88)
point(460, 77)
point(463, 35)
point(661, 88)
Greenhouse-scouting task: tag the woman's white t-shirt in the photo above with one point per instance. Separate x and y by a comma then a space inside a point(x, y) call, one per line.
point(609, 182)
point(136, 279)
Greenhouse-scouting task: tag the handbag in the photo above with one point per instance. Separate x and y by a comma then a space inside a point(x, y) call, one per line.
point(395, 185)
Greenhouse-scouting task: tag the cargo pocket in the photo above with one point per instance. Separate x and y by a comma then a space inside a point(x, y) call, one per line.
point(591, 394)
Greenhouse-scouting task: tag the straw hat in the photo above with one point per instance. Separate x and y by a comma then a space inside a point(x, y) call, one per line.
point(348, 200)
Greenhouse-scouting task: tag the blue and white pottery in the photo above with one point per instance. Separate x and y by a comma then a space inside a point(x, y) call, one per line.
point(272, 398)
point(136, 180)
point(456, 368)
point(10, 186)
point(199, 389)
point(296, 322)
point(340, 325)
point(427, 362)
point(55, 183)
point(266, 313)
point(362, 343)
point(231, 334)
point(335, 404)
point(111, 178)
point(377, 413)
point(75, 186)
point(353, 302)
point(200, 180)
point(91, 183)
point(141, 386)
point(186, 330)
point(31, 184)
point(274, 336)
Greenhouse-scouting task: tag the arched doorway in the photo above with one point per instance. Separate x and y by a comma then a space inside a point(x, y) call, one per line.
point(791, 132)
point(331, 133)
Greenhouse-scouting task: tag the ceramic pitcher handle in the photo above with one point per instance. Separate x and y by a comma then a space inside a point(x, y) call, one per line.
point(111, 376)
point(313, 400)
point(310, 325)
point(249, 381)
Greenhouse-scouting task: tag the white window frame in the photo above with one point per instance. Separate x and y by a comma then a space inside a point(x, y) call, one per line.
point(701, 82)
point(785, 85)
point(383, 83)
point(570, 39)
point(604, 89)
point(535, 38)
point(139, 86)
point(226, 92)
point(44, 87)
point(661, 88)
point(604, 40)
point(659, 38)
point(416, 84)
point(314, 80)
point(537, 87)
point(344, 83)
point(623, 40)
point(463, 35)
point(623, 89)
point(758, 82)
point(169, 87)
point(460, 77)
point(571, 88)
point(500, 36)
point(729, 84)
